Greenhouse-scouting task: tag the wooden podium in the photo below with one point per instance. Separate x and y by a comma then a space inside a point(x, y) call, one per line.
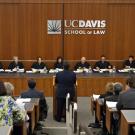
point(54, 98)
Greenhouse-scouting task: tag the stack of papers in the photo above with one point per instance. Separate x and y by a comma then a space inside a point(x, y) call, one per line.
point(111, 104)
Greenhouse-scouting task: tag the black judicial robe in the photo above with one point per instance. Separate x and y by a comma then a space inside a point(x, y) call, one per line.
point(1, 66)
point(36, 65)
point(13, 65)
point(58, 65)
point(102, 65)
point(127, 63)
point(81, 65)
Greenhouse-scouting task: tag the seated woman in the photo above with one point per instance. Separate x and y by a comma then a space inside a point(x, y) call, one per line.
point(59, 63)
point(39, 64)
point(10, 112)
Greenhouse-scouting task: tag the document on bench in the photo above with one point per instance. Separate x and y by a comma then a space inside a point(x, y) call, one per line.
point(111, 104)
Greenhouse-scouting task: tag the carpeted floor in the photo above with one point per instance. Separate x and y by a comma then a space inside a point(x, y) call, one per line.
point(84, 115)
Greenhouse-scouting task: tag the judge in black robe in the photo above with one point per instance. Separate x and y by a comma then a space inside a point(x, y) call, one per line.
point(59, 63)
point(103, 64)
point(82, 64)
point(130, 63)
point(15, 64)
point(39, 64)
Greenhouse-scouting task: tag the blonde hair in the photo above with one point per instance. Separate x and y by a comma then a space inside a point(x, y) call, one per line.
point(9, 88)
point(109, 87)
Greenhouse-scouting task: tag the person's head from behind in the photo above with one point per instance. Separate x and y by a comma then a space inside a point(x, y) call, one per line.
point(31, 83)
point(9, 88)
point(83, 60)
point(39, 60)
point(109, 87)
point(130, 83)
point(118, 87)
point(3, 91)
point(66, 66)
point(131, 58)
point(59, 59)
point(103, 58)
point(15, 59)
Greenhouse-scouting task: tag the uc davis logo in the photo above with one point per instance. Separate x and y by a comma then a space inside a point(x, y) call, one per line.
point(54, 26)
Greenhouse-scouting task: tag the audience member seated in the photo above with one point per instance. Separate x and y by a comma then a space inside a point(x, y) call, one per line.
point(82, 64)
point(39, 64)
point(32, 92)
point(118, 87)
point(15, 64)
point(9, 88)
point(130, 63)
point(59, 63)
point(127, 98)
point(109, 89)
point(103, 64)
point(10, 112)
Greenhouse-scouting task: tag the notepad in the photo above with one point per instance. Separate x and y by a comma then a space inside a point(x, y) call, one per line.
point(111, 104)
point(95, 97)
point(23, 100)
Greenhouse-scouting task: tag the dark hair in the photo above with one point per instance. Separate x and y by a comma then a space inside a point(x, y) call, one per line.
point(66, 66)
point(31, 83)
point(59, 57)
point(131, 56)
point(3, 91)
point(102, 56)
point(131, 82)
point(118, 87)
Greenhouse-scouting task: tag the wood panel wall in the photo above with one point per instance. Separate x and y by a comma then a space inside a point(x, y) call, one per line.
point(23, 29)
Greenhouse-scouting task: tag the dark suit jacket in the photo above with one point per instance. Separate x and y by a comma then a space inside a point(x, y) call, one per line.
point(65, 82)
point(33, 93)
point(13, 65)
point(36, 65)
point(126, 100)
point(112, 98)
point(102, 65)
point(80, 65)
point(127, 63)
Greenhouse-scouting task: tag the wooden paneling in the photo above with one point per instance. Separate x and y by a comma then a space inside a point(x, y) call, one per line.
point(86, 85)
point(23, 29)
point(116, 44)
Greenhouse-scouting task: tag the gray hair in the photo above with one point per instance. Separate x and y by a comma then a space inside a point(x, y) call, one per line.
point(9, 88)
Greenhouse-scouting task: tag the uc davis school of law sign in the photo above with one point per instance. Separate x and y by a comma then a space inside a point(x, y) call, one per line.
point(74, 27)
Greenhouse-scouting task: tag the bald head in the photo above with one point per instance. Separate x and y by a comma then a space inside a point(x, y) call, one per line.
point(83, 60)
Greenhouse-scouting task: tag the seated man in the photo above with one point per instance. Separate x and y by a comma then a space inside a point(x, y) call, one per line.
point(39, 64)
point(127, 98)
point(15, 64)
point(130, 63)
point(82, 64)
point(32, 92)
point(102, 63)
